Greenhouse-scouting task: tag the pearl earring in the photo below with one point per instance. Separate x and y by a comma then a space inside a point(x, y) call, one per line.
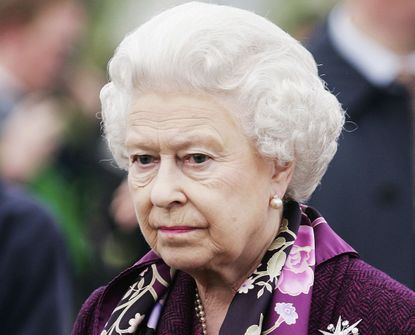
point(276, 202)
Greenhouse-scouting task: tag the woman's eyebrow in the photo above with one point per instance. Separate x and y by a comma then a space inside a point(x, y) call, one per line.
point(178, 142)
point(200, 138)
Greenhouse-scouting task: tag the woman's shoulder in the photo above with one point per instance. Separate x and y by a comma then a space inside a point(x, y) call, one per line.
point(349, 288)
point(84, 323)
point(98, 307)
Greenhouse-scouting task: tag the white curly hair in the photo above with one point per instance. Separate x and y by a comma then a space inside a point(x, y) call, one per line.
point(234, 55)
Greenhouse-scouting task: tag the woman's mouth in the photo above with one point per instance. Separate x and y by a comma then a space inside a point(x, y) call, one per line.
point(176, 229)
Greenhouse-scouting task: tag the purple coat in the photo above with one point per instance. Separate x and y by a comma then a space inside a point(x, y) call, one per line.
point(344, 286)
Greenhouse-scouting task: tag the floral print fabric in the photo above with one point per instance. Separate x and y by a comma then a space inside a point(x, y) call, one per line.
point(275, 299)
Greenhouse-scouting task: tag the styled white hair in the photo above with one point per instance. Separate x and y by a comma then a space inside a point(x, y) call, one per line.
point(232, 54)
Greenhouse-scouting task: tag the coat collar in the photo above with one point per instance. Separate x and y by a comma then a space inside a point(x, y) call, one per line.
point(343, 80)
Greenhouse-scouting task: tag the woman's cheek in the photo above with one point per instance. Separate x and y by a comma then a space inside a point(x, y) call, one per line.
point(139, 180)
point(149, 234)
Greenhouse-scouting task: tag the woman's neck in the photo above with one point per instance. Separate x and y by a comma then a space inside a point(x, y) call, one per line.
point(215, 303)
point(216, 290)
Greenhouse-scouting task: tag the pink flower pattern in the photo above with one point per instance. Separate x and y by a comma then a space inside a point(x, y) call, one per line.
point(297, 276)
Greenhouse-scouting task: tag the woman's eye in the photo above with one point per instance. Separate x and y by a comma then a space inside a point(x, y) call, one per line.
point(197, 158)
point(144, 159)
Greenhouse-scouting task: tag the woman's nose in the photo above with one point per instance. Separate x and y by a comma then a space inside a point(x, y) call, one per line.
point(167, 188)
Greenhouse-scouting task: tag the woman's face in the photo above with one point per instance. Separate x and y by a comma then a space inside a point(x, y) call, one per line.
point(390, 22)
point(200, 189)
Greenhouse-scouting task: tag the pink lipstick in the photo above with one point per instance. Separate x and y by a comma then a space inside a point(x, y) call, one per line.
point(176, 229)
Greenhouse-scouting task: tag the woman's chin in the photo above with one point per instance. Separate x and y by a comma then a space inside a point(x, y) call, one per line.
point(184, 259)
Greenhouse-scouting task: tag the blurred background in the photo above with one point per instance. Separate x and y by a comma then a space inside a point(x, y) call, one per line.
point(52, 66)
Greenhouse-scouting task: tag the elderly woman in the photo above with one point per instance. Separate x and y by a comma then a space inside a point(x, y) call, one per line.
point(225, 129)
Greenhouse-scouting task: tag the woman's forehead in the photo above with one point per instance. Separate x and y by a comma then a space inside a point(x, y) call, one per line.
point(168, 110)
point(181, 120)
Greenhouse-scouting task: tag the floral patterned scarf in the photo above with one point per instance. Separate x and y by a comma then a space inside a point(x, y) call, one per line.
point(275, 299)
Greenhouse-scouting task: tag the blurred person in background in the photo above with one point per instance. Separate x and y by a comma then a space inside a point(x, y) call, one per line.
point(36, 288)
point(36, 37)
point(366, 52)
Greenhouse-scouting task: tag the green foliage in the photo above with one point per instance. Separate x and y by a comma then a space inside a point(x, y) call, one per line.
point(65, 203)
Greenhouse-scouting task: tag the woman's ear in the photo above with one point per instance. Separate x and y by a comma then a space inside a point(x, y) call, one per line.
point(281, 177)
